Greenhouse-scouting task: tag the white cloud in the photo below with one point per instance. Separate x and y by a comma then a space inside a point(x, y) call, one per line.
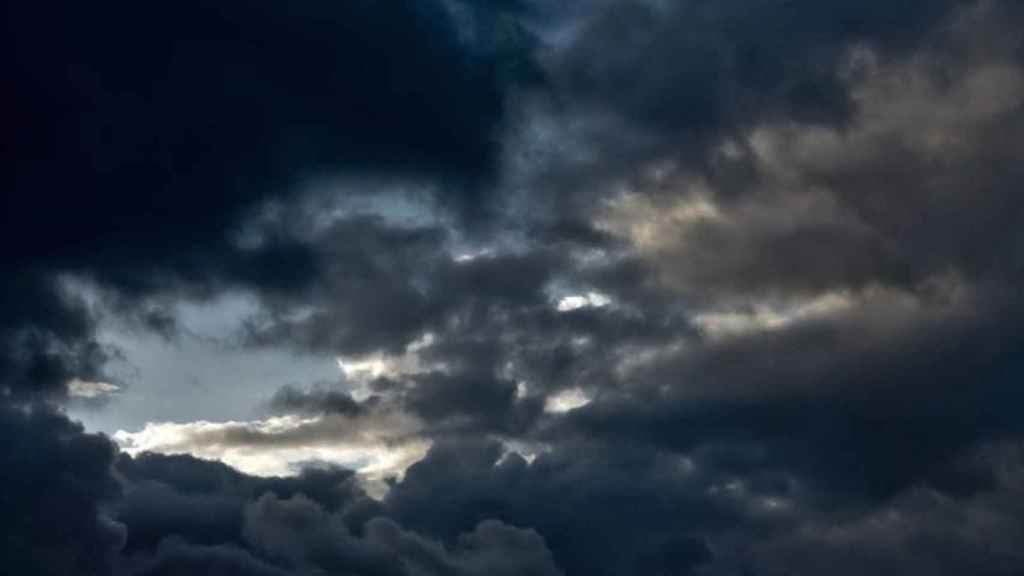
point(360, 371)
point(469, 255)
point(279, 446)
point(763, 316)
point(565, 401)
point(644, 221)
point(527, 450)
point(90, 390)
point(586, 300)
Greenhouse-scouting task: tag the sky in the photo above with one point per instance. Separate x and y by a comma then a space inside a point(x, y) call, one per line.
point(512, 288)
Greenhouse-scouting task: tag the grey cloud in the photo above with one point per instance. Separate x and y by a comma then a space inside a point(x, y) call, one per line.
point(319, 400)
point(183, 514)
point(602, 510)
point(921, 532)
point(299, 532)
point(53, 494)
point(175, 557)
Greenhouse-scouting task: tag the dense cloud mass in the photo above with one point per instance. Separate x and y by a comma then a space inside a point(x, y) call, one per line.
point(606, 288)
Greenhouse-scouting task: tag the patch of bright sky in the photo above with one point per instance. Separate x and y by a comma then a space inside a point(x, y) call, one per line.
point(201, 373)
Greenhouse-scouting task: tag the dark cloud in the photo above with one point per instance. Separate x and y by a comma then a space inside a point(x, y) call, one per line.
point(204, 502)
point(602, 511)
point(733, 61)
point(364, 260)
point(184, 514)
point(276, 527)
point(657, 81)
point(847, 405)
point(290, 399)
point(146, 134)
point(471, 402)
point(175, 557)
point(56, 481)
point(46, 339)
point(922, 532)
point(180, 115)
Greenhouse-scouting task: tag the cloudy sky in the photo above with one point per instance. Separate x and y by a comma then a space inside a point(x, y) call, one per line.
point(512, 288)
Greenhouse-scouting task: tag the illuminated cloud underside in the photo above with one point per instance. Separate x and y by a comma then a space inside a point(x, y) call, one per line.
point(280, 446)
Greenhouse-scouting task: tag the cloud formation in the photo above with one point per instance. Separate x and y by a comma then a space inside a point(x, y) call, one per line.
point(618, 288)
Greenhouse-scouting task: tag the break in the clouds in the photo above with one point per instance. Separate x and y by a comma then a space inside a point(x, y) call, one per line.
point(452, 287)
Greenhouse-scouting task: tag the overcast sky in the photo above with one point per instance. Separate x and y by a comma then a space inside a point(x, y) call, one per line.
point(512, 288)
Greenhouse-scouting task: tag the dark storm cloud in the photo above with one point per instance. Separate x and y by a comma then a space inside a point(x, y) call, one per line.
point(275, 527)
point(363, 260)
point(714, 65)
point(470, 401)
point(45, 339)
point(924, 102)
point(382, 286)
point(183, 115)
point(920, 533)
point(290, 399)
point(609, 509)
point(865, 404)
point(672, 80)
point(603, 510)
point(142, 135)
point(174, 557)
point(55, 480)
point(472, 326)
point(908, 213)
point(915, 200)
point(185, 514)
point(204, 502)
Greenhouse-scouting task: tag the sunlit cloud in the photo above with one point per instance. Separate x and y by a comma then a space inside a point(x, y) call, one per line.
point(89, 390)
point(759, 317)
point(586, 300)
point(281, 445)
point(566, 401)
